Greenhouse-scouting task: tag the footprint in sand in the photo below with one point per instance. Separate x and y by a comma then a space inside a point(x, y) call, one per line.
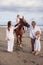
point(37, 64)
point(25, 61)
point(41, 55)
point(33, 62)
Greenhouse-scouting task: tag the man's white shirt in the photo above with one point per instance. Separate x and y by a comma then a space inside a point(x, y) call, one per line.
point(33, 31)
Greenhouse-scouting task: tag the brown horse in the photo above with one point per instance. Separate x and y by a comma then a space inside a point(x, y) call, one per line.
point(19, 31)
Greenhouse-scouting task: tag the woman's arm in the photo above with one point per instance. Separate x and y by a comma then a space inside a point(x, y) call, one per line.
point(16, 24)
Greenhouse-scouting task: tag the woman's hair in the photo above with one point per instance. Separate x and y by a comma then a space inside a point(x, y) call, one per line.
point(9, 24)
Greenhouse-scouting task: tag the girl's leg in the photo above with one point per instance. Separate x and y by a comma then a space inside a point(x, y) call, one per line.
point(37, 53)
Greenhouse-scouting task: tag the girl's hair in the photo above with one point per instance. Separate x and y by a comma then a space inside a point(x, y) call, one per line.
point(17, 15)
point(9, 24)
point(37, 33)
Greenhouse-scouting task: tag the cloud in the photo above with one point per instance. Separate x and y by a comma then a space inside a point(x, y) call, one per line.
point(38, 3)
point(19, 5)
point(22, 3)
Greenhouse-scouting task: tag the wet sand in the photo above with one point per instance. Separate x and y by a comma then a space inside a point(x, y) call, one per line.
point(22, 56)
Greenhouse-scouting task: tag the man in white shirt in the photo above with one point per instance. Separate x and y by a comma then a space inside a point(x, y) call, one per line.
point(33, 29)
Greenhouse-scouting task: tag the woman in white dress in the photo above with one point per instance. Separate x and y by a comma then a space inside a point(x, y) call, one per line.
point(10, 37)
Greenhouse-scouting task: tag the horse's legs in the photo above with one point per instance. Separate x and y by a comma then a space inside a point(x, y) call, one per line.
point(17, 38)
point(20, 39)
point(16, 41)
point(21, 45)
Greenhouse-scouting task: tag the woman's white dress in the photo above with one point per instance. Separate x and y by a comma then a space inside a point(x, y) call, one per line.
point(10, 36)
point(10, 39)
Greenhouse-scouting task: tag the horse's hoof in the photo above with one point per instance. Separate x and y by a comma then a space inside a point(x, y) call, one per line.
point(21, 45)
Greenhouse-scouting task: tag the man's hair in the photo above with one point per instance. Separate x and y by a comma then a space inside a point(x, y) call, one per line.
point(34, 22)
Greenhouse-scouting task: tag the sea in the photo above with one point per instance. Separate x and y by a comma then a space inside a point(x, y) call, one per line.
point(32, 14)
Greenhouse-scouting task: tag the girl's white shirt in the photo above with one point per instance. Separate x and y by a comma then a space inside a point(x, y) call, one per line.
point(17, 20)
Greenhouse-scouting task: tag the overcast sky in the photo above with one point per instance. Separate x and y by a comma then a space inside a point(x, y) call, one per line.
point(8, 6)
point(22, 3)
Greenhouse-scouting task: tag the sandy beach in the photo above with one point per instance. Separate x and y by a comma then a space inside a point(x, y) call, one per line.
point(22, 56)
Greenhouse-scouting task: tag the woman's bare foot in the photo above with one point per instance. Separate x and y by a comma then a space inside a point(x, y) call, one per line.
point(9, 51)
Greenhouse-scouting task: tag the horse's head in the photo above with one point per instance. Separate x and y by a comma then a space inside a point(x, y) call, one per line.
point(24, 23)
